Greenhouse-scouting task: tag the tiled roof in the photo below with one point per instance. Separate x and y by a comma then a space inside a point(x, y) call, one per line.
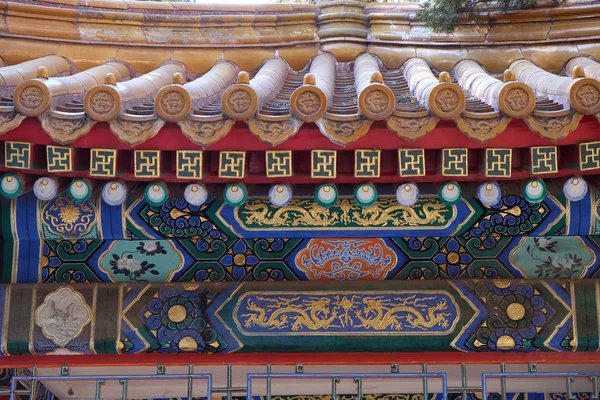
point(342, 98)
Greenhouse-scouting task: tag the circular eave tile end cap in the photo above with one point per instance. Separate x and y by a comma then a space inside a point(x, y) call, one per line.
point(32, 98)
point(102, 103)
point(173, 103)
point(516, 100)
point(376, 101)
point(308, 103)
point(585, 96)
point(447, 101)
point(239, 102)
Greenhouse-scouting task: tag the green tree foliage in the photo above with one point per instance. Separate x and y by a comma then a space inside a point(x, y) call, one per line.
point(440, 15)
point(444, 15)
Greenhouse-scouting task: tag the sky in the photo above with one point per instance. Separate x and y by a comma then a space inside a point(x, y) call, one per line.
point(233, 1)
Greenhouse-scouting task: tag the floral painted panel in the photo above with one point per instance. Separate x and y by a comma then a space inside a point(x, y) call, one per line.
point(206, 260)
point(569, 257)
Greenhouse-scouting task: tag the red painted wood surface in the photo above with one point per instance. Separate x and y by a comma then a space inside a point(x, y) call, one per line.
point(445, 135)
point(170, 138)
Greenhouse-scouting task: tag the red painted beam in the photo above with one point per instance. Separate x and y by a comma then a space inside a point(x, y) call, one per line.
point(301, 358)
point(445, 135)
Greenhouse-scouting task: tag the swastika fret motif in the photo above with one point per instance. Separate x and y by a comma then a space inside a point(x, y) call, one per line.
point(455, 162)
point(103, 162)
point(544, 160)
point(589, 156)
point(367, 163)
point(498, 162)
point(411, 162)
point(232, 164)
point(60, 159)
point(147, 163)
point(189, 164)
point(17, 155)
point(323, 163)
point(279, 163)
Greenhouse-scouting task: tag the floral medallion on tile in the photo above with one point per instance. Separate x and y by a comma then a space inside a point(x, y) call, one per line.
point(63, 218)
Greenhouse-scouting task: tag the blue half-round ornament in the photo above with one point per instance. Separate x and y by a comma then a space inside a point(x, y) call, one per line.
point(407, 194)
point(575, 188)
point(489, 193)
point(280, 195)
point(45, 188)
point(195, 194)
point(114, 193)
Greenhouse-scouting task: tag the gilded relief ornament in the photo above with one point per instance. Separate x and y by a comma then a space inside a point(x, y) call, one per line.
point(447, 100)
point(308, 103)
point(66, 218)
point(344, 131)
point(63, 315)
point(517, 100)
point(102, 102)
point(239, 101)
point(10, 120)
point(554, 127)
point(304, 313)
point(274, 132)
point(386, 212)
point(482, 129)
point(135, 132)
point(31, 97)
point(65, 130)
point(205, 133)
point(172, 103)
point(411, 127)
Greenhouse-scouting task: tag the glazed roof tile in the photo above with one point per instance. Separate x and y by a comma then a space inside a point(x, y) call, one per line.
point(275, 100)
point(340, 64)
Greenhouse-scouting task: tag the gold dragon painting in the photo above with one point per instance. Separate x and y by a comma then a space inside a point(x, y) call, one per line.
point(406, 313)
